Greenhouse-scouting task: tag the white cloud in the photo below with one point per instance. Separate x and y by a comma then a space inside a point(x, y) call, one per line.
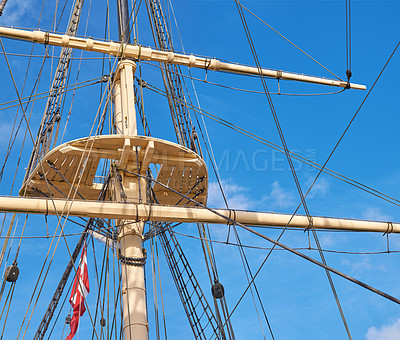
point(238, 197)
point(375, 214)
point(357, 267)
point(326, 240)
point(15, 12)
point(279, 197)
point(320, 188)
point(5, 131)
point(385, 332)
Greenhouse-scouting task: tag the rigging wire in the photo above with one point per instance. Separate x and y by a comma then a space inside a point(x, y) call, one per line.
point(62, 228)
point(35, 86)
point(24, 116)
point(209, 152)
point(206, 81)
point(273, 111)
point(352, 120)
point(77, 77)
point(201, 227)
point(296, 248)
point(67, 246)
point(294, 155)
point(104, 270)
point(161, 292)
point(289, 159)
point(8, 308)
point(290, 42)
point(52, 56)
point(274, 242)
point(154, 281)
point(61, 309)
point(17, 92)
point(26, 131)
point(348, 41)
point(43, 95)
point(247, 265)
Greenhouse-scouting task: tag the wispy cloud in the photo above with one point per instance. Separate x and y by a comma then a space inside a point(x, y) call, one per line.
point(385, 332)
point(279, 197)
point(5, 131)
point(365, 264)
point(16, 12)
point(375, 214)
point(238, 197)
point(320, 188)
point(326, 240)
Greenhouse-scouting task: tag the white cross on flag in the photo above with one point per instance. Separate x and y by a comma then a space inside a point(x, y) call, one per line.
point(80, 290)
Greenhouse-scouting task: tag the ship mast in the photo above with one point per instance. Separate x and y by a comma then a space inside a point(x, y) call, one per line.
point(131, 156)
point(130, 236)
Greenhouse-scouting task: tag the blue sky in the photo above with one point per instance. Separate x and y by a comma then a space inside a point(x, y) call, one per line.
point(296, 294)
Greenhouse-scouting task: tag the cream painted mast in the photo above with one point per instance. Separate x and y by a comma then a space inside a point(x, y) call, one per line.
point(131, 231)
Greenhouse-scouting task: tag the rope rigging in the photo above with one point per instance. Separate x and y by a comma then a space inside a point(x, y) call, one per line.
point(348, 41)
point(326, 250)
point(294, 155)
point(173, 83)
point(274, 242)
point(32, 312)
point(290, 42)
point(60, 288)
point(2, 5)
point(52, 114)
point(184, 128)
point(186, 135)
point(206, 81)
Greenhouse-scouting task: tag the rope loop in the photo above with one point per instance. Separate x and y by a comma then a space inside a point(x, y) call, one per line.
point(310, 224)
point(231, 221)
point(207, 64)
point(149, 215)
point(389, 229)
point(46, 38)
point(348, 75)
point(137, 213)
point(133, 261)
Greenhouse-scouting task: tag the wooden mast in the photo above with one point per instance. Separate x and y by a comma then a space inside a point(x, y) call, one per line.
point(130, 235)
point(133, 189)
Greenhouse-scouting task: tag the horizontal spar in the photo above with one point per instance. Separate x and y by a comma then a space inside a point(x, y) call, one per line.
point(148, 212)
point(149, 54)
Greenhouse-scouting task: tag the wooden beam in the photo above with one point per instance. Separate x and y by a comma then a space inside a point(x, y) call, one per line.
point(145, 212)
point(147, 53)
point(148, 154)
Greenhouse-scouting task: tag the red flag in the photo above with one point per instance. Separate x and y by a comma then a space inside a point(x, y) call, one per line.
point(80, 290)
